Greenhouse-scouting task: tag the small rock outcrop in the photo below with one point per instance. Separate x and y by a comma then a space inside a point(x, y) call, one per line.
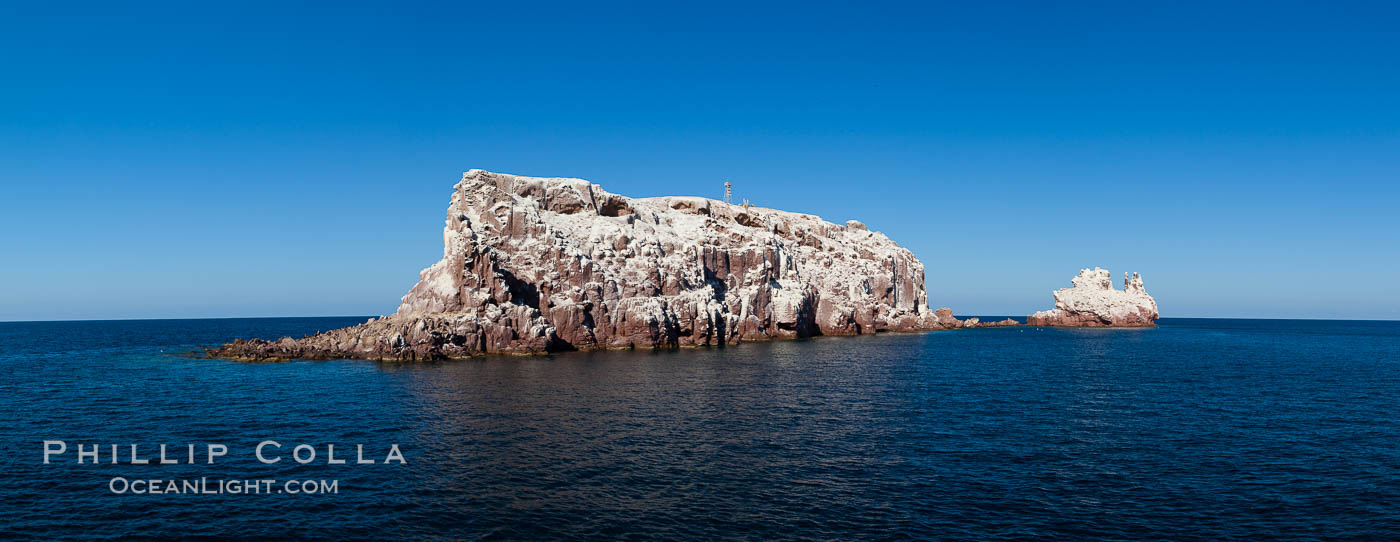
point(1093, 302)
point(533, 265)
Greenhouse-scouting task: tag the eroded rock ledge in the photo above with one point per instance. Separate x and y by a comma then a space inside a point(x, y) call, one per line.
point(1093, 302)
point(534, 265)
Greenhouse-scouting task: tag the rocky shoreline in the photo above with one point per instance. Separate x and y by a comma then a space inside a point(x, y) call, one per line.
point(538, 265)
point(419, 338)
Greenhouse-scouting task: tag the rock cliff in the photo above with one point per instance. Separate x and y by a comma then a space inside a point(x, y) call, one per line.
point(1093, 302)
point(535, 265)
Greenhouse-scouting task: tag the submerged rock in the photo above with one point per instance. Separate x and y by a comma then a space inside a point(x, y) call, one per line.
point(534, 265)
point(1093, 302)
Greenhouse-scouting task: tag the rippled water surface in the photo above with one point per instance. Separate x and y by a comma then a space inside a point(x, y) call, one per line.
point(1204, 429)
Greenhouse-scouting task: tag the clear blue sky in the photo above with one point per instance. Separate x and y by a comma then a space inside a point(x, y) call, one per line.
point(186, 160)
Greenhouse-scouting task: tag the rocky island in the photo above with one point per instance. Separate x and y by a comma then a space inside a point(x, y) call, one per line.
point(534, 265)
point(1093, 302)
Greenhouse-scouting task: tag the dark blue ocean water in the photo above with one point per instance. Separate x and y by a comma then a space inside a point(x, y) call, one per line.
point(1198, 429)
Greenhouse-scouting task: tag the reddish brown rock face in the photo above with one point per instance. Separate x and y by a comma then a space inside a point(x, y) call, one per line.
point(535, 265)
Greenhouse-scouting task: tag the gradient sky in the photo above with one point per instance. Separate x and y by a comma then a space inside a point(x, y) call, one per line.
point(183, 160)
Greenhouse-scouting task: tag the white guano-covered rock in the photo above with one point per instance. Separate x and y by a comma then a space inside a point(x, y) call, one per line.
point(545, 264)
point(1093, 302)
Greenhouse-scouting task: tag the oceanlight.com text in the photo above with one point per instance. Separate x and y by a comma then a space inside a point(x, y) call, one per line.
point(204, 486)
